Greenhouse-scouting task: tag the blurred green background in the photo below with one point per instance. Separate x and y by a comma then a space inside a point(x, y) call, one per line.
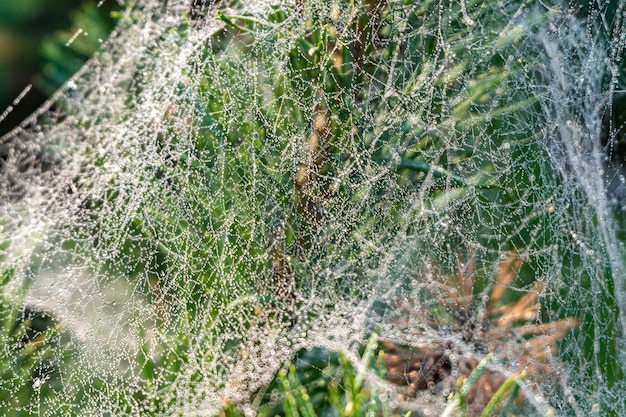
point(33, 48)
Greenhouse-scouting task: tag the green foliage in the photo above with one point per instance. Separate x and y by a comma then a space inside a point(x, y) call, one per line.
point(322, 383)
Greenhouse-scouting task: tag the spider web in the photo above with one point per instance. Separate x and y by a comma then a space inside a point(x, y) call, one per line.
point(225, 185)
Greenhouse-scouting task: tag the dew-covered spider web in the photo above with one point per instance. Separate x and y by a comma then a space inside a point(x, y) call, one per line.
point(226, 188)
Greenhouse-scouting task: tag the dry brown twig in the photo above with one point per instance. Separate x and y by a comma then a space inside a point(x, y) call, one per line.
point(512, 332)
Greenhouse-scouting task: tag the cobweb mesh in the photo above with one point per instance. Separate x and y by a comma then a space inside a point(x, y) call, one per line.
point(227, 184)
